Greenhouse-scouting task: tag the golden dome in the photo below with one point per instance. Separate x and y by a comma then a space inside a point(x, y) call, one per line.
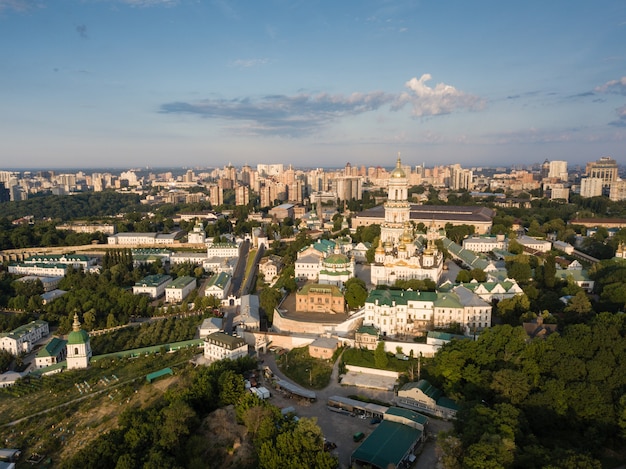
point(398, 172)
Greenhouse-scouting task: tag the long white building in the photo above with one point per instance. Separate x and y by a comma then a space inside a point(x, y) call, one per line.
point(148, 239)
point(22, 339)
point(401, 312)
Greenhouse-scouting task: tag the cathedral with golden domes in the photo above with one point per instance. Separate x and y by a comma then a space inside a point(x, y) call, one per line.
point(400, 254)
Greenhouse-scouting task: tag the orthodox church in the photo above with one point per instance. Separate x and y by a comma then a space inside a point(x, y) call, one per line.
point(78, 347)
point(401, 255)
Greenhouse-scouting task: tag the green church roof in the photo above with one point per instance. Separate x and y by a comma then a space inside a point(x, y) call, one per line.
point(77, 336)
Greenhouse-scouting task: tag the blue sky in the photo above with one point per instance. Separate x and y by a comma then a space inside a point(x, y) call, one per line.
point(130, 83)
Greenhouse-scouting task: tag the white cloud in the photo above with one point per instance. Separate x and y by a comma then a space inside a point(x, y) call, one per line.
point(442, 99)
point(305, 114)
point(613, 86)
point(284, 115)
point(248, 63)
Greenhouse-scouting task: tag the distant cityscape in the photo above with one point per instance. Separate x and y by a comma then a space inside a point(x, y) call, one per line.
point(277, 183)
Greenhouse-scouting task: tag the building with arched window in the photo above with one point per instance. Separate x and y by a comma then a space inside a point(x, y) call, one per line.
point(78, 347)
point(400, 255)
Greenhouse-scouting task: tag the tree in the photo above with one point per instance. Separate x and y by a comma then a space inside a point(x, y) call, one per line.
point(549, 271)
point(231, 387)
point(579, 304)
point(519, 271)
point(297, 447)
point(381, 360)
point(515, 247)
point(510, 309)
point(355, 292)
point(463, 276)
point(5, 360)
point(478, 274)
point(176, 421)
point(370, 254)
point(268, 300)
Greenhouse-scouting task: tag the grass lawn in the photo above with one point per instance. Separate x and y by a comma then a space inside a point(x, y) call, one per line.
point(308, 372)
point(364, 357)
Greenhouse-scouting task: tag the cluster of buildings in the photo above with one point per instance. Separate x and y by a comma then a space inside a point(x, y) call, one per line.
point(72, 353)
point(277, 182)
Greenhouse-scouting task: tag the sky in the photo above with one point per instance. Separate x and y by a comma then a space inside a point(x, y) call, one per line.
point(195, 83)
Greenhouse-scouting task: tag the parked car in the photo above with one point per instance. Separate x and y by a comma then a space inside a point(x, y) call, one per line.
point(358, 436)
point(375, 420)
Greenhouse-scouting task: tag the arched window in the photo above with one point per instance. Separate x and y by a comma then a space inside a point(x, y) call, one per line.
point(75, 350)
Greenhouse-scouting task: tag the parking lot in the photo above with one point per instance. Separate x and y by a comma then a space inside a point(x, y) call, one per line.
point(338, 428)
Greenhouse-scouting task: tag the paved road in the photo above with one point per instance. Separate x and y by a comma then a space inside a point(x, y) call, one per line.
point(240, 269)
point(451, 273)
point(247, 287)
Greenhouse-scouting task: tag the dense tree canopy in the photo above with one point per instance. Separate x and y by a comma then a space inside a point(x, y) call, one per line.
point(355, 293)
point(531, 404)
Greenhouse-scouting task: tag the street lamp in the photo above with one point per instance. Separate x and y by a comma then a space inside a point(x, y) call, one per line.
point(310, 375)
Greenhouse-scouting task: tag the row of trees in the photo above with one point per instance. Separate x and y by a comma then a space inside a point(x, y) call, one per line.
point(87, 205)
point(160, 332)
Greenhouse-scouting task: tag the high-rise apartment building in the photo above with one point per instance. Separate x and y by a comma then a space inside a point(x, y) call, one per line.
point(216, 195)
point(591, 187)
point(558, 169)
point(242, 195)
point(461, 178)
point(348, 187)
point(605, 168)
point(269, 169)
point(189, 176)
point(618, 191)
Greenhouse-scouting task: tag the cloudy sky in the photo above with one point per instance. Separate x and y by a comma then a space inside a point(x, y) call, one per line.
point(129, 83)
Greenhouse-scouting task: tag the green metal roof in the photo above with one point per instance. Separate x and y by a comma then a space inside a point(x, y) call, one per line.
point(425, 387)
point(52, 348)
point(448, 300)
point(219, 280)
point(181, 282)
point(447, 403)
point(157, 374)
point(445, 336)
point(77, 337)
point(337, 259)
point(25, 329)
point(57, 257)
point(576, 275)
point(147, 350)
point(320, 288)
point(388, 444)
point(401, 297)
point(408, 414)
point(371, 330)
point(41, 265)
point(153, 280)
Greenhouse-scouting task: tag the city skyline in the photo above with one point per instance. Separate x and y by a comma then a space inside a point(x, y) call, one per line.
point(179, 83)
